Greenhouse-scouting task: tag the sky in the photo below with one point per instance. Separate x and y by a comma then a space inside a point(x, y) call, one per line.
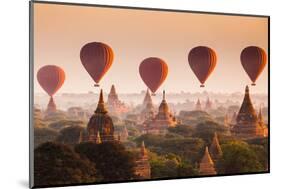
point(60, 31)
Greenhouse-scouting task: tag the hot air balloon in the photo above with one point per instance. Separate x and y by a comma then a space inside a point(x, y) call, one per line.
point(51, 78)
point(202, 61)
point(253, 60)
point(97, 58)
point(153, 72)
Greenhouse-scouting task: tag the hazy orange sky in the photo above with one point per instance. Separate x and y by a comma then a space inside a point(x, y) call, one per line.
point(61, 30)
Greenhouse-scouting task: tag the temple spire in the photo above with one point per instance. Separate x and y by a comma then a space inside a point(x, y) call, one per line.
point(247, 121)
point(215, 148)
point(164, 95)
point(51, 106)
point(247, 90)
point(113, 90)
point(147, 99)
point(198, 105)
point(101, 108)
point(98, 139)
point(260, 117)
point(206, 166)
point(143, 149)
point(208, 105)
point(81, 137)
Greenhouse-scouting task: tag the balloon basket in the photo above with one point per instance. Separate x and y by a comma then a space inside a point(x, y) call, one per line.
point(253, 84)
point(202, 85)
point(96, 85)
point(153, 94)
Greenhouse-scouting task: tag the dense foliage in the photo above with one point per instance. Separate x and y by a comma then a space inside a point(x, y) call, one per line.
point(113, 162)
point(70, 135)
point(57, 164)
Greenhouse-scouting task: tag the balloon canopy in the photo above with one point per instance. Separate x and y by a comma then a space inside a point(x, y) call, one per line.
point(51, 78)
point(153, 72)
point(202, 60)
point(97, 58)
point(253, 60)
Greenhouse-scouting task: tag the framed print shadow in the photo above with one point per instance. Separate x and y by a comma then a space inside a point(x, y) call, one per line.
point(126, 94)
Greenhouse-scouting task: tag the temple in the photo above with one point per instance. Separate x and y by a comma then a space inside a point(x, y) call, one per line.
point(215, 149)
point(261, 122)
point(208, 105)
point(114, 105)
point(100, 127)
point(161, 121)
point(147, 99)
point(198, 105)
point(206, 166)
point(51, 108)
point(142, 169)
point(148, 110)
point(247, 122)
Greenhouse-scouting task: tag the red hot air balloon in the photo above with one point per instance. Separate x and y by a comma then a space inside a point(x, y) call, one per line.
point(51, 78)
point(202, 61)
point(153, 72)
point(97, 58)
point(253, 60)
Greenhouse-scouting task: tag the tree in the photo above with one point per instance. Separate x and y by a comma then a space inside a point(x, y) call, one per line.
point(169, 166)
point(57, 164)
point(189, 149)
point(192, 118)
point(42, 135)
point(183, 130)
point(238, 157)
point(60, 124)
point(163, 166)
point(207, 129)
point(70, 135)
point(185, 169)
point(113, 162)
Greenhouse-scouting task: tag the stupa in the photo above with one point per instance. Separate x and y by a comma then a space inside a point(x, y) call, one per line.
point(206, 166)
point(114, 105)
point(162, 120)
point(142, 169)
point(215, 149)
point(208, 105)
point(100, 124)
point(247, 122)
point(198, 105)
point(51, 108)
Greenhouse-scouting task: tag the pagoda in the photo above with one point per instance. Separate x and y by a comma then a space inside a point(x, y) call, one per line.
point(206, 166)
point(162, 120)
point(247, 122)
point(100, 127)
point(115, 106)
point(261, 122)
point(148, 108)
point(51, 108)
point(142, 169)
point(198, 105)
point(215, 149)
point(147, 99)
point(208, 105)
